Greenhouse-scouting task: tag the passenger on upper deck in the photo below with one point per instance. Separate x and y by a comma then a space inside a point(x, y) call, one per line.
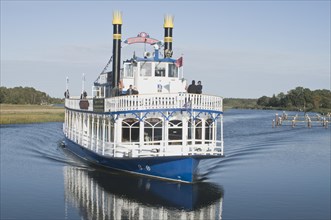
point(131, 91)
point(192, 88)
point(199, 88)
point(83, 95)
point(66, 94)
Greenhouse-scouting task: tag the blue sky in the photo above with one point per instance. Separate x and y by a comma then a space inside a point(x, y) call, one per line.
point(243, 49)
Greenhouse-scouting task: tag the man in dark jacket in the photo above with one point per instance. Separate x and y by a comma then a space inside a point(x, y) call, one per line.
point(192, 88)
point(199, 88)
point(129, 91)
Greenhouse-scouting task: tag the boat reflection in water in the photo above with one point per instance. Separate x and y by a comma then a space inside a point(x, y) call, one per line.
point(99, 194)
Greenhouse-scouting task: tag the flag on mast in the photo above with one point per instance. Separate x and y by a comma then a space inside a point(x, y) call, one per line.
point(179, 62)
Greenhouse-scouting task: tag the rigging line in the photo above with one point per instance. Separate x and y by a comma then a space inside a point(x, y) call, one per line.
point(104, 69)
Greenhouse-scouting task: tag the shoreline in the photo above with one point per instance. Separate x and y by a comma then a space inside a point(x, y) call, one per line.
point(26, 114)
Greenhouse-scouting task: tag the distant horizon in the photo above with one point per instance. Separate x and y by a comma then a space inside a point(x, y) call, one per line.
point(237, 49)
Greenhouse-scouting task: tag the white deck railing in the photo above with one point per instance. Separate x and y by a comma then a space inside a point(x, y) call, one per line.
point(154, 101)
point(148, 149)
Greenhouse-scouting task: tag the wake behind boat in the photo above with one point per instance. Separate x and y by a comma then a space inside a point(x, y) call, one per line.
point(140, 119)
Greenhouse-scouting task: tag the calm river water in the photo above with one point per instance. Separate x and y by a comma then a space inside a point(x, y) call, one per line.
point(267, 173)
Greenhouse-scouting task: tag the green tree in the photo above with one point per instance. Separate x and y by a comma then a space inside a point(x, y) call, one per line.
point(263, 101)
point(26, 95)
point(274, 101)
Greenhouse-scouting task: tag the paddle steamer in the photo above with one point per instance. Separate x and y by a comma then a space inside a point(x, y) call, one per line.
point(140, 118)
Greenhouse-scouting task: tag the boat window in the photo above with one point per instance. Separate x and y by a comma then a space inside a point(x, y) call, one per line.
point(209, 129)
point(130, 130)
point(173, 70)
point(175, 132)
point(146, 69)
point(153, 130)
point(198, 130)
point(160, 71)
point(194, 131)
point(128, 70)
point(109, 130)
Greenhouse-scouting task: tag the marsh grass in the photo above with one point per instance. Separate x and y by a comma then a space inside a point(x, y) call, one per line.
point(19, 114)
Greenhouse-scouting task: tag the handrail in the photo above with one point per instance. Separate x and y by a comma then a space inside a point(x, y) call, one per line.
point(153, 101)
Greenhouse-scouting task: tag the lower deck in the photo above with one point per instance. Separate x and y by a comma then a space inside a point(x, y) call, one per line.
point(148, 133)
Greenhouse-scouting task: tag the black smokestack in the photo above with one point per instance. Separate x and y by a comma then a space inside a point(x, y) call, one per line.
point(168, 26)
point(117, 35)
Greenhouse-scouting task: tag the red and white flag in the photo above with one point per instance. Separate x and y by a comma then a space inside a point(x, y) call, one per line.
point(179, 62)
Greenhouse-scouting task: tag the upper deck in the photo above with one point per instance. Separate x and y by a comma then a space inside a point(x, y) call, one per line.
point(146, 102)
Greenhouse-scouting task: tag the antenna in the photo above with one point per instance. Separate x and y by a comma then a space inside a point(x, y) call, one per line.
point(83, 83)
point(67, 83)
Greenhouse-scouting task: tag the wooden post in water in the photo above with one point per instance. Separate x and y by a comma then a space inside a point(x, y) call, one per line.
point(276, 119)
point(293, 121)
point(325, 122)
point(284, 116)
point(308, 122)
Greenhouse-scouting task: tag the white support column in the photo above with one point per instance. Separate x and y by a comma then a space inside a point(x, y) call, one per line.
point(72, 125)
point(193, 129)
point(103, 134)
point(203, 132)
point(75, 126)
point(222, 144)
point(68, 123)
point(141, 134)
point(88, 131)
point(78, 127)
point(165, 133)
point(214, 131)
point(109, 133)
point(65, 121)
point(98, 135)
point(185, 132)
point(93, 132)
point(81, 128)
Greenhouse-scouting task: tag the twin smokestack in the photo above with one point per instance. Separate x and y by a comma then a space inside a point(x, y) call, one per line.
point(117, 36)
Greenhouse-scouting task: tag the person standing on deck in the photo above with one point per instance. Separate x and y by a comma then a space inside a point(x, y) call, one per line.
point(199, 88)
point(129, 91)
point(192, 88)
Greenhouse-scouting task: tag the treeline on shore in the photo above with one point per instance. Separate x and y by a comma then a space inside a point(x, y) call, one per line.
point(26, 95)
point(299, 99)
